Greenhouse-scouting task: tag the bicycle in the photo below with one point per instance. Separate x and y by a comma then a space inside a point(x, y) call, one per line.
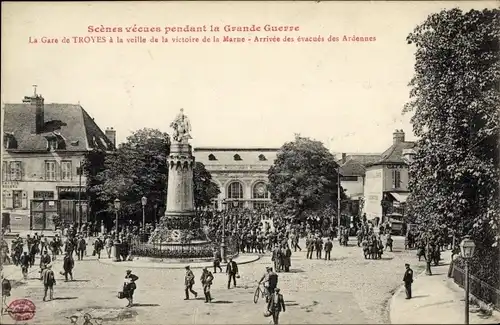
point(261, 290)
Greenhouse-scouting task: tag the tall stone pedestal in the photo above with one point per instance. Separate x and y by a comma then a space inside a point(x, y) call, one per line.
point(179, 224)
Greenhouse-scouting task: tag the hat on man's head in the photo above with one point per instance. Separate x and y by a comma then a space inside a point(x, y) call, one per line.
point(187, 267)
point(268, 268)
point(406, 264)
point(129, 271)
point(276, 289)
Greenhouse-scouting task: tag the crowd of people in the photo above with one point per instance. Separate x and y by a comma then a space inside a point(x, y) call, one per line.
point(264, 231)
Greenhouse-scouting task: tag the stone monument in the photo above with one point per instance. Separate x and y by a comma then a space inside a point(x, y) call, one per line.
point(179, 224)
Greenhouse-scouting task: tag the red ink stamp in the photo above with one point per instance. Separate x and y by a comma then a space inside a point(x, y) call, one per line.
point(21, 310)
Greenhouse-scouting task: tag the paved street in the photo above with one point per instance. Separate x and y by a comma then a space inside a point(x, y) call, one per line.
point(348, 289)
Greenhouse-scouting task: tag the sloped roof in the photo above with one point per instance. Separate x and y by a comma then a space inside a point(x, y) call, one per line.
point(355, 164)
point(72, 122)
point(225, 156)
point(394, 154)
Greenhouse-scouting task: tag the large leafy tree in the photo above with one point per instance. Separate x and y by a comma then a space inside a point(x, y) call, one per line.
point(304, 178)
point(139, 168)
point(204, 188)
point(454, 101)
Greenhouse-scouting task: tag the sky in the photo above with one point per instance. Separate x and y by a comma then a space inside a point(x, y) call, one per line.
point(349, 95)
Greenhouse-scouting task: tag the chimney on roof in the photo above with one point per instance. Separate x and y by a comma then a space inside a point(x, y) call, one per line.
point(398, 136)
point(36, 103)
point(344, 157)
point(111, 135)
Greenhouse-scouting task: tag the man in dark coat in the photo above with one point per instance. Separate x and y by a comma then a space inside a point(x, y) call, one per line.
point(68, 265)
point(188, 283)
point(328, 249)
point(276, 305)
point(231, 271)
point(408, 280)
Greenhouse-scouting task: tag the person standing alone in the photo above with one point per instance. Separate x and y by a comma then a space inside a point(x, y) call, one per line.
point(408, 280)
point(49, 281)
point(231, 271)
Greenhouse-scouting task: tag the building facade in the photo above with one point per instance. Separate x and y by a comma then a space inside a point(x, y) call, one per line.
point(386, 180)
point(352, 180)
point(241, 174)
point(43, 148)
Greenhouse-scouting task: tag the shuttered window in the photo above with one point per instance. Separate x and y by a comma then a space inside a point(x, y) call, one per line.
point(50, 170)
point(16, 171)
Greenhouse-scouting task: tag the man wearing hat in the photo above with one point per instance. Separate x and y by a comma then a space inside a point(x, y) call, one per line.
point(231, 271)
point(189, 282)
point(206, 280)
point(49, 281)
point(276, 305)
point(408, 280)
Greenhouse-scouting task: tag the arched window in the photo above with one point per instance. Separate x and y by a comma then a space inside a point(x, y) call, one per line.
point(260, 191)
point(237, 157)
point(211, 157)
point(235, 191)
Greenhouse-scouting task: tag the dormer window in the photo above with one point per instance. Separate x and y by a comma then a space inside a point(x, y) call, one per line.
point(262, 157)
point(9, 142)
point(211, 157)
point(237, 157)
point(55, 142)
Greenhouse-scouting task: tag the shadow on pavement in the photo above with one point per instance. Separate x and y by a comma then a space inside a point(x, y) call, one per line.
point(146, 305)
point(79, 281)
point(294, 271)
point(65, 298)
point(221, 302)
point(419, 296)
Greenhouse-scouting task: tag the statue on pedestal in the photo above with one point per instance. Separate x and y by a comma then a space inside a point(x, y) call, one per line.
point(181, 127)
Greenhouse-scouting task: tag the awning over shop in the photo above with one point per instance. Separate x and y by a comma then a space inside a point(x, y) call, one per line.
point(400, 197)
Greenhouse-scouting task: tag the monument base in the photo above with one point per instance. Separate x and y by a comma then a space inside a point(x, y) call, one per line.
point(181, 228)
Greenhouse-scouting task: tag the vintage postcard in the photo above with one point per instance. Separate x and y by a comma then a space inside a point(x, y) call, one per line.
point(227, 162)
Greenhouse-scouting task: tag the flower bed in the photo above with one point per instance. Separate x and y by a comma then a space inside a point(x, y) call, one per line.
point(178, 251)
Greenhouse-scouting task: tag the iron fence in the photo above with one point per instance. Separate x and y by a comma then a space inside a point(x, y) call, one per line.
point(182, 251)
point(478, 288)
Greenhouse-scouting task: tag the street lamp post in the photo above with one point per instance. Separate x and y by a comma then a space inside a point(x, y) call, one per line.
point(338, 202)
point(467, 247)
point(223, 239)
point(154, 219)
point(144, 201)
point(117, 204)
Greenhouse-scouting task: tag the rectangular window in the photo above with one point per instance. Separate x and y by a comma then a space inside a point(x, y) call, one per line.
point(50, 170)
point(16, 171)
point(48, 195)
point(66, 170)
point(17, 199)
point(396, 178)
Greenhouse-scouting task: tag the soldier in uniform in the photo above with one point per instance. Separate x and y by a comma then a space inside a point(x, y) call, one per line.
point(206, 280)
point(189, 282)
point(408, 280)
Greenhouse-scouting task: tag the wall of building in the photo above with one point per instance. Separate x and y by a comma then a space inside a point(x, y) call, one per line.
point(373, 191)
point(248, 182)
point(353, 189)
point(33, 179)
point(388, 177)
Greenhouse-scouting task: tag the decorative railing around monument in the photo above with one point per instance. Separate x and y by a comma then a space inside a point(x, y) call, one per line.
point(478, 288)
point(199, 250)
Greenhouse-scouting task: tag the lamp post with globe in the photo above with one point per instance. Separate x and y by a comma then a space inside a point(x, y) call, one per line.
point(467, 247)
